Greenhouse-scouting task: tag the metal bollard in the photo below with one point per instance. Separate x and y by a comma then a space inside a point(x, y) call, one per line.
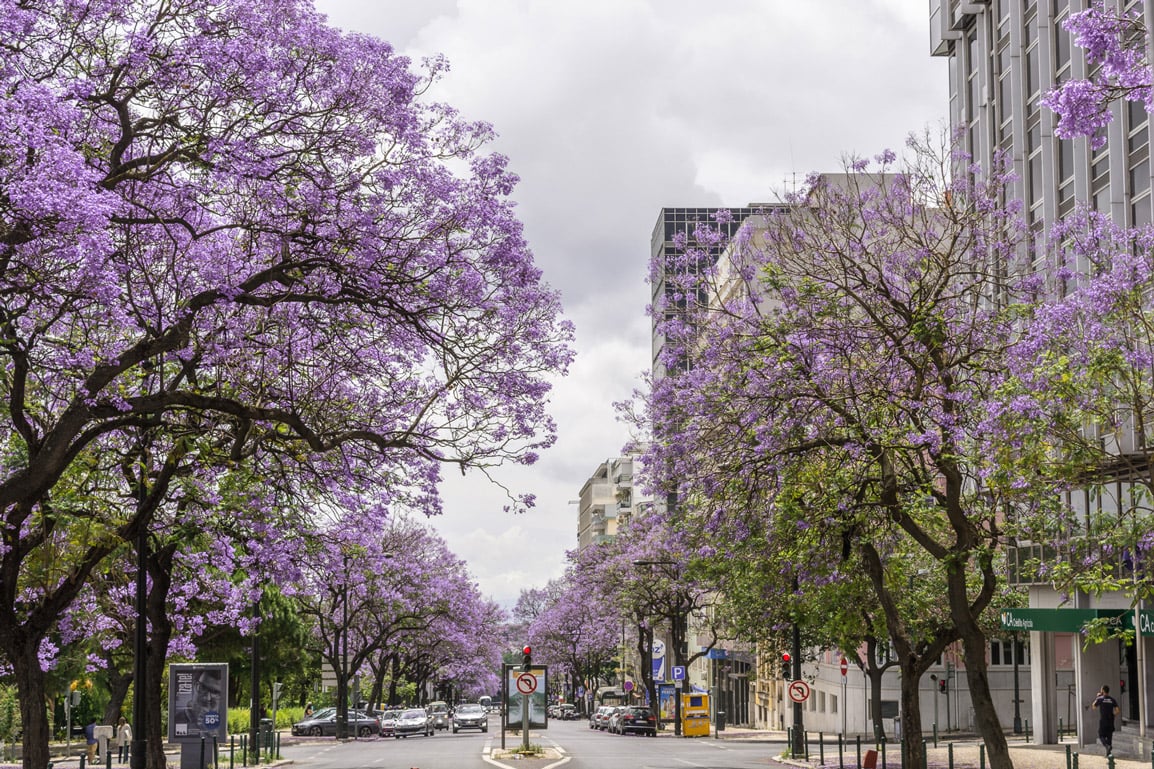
point(883, 752)
point(789, 740)
point(1075, 759)
point(202, 751)
point(231, 751)
point(1110, 761)
point(840, 751)
point(982, 756)
point(935, 734)
point(1069, 765)
point(951, 752)
point(858, 738)
point(821, 749)
point(278, 745)
point(924, 757)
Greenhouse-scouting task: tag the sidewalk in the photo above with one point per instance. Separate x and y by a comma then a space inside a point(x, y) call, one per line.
point(967, 752)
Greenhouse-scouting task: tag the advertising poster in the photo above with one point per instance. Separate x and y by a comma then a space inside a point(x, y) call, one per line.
point(658, 659)
point(538, 714)
point(197, 701)
point(667, 694)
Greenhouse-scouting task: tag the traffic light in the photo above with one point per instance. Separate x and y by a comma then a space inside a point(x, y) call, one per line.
point(526, 658)
point(942, 685)
point(786, 668)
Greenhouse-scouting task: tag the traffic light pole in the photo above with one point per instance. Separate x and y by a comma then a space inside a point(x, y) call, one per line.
point(798, 747)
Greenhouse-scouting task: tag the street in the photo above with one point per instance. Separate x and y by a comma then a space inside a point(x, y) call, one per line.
point(577, 746)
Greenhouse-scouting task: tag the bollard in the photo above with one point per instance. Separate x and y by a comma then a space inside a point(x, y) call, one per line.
point(1069, 765)
point(821, 749)
point(278, 745)
point(789, 740)
point(1075, 759)
point(935, 734)
point(1110, 760)
point(107, 757)
point(924, 757)
point(82, 758)
point(951, 752)
point(982, 756)
point(883, 752)
point(202, 751)
point(244, 749)
point(805, 743)
point(840, 752)
point(858, 738)
point(231, 751)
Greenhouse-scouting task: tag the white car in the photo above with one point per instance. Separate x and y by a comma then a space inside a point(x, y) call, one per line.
point(413, 721)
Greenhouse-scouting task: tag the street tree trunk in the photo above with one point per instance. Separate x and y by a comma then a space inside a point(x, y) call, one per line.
point(30, 687)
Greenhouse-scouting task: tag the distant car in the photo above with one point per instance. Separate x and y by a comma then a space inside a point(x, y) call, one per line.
point(411, 722)
point(470, 717)
point(567, 712)
point(323, 723)
point(634, 719)
point(388, 722)
point(439, 715)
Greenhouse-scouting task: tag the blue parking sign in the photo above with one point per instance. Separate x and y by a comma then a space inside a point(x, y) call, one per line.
point(678, 672)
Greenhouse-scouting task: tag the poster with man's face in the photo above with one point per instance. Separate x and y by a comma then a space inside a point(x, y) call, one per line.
point(197, 701)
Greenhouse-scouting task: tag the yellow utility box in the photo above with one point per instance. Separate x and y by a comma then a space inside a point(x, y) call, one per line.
point(695, 715)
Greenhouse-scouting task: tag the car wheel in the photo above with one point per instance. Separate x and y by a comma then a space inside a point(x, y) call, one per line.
point(315, 731)
point(366, 731)
point(485, 729)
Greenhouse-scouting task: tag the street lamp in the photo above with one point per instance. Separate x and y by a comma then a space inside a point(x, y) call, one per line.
point(679, 632)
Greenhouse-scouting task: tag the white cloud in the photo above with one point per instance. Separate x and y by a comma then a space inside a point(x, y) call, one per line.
point(610, 110)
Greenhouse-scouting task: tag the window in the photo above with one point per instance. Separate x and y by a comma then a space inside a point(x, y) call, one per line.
point(1002, 652)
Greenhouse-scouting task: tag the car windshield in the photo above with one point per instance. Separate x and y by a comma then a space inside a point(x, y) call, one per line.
point(323, 713)
point(390, 715)
point(413, 714)
point(470, 709)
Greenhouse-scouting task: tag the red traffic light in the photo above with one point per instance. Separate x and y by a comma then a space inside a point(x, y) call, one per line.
point(527, 650)
point(785, 657)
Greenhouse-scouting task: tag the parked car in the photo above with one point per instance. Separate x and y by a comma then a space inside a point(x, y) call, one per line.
point(634, 719)
point(604, 713)
point(323, 723)
point(470, 717)
point(388, 722)
point(597, 716)
point(567, 712)
point(413, 721)
point(439, 715)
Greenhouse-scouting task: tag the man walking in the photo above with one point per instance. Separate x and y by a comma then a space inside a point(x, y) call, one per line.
point(1107, 708)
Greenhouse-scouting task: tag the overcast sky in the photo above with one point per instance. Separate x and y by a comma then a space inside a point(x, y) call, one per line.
point(610, 110)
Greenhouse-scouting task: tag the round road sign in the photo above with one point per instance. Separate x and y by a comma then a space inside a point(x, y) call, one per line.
point(844, 666)
point(798, 691)
point(526, 683)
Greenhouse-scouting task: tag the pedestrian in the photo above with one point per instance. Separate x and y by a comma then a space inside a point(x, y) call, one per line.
point(90, 738)
point(308, 710)
point(123, 740)
point(1107, 708)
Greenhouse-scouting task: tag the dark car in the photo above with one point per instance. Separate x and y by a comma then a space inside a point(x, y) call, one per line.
point(413, 721)
point(634, 719)
point(470, 717)
point(323, 723)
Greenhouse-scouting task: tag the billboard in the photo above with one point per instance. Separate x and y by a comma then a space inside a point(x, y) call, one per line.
point(197, 701)
point(538, 714)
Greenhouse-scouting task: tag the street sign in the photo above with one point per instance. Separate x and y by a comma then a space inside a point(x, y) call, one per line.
point(628, 686)
point(844, 666)
point(526, 683)
point(798, 691)
point(678, 672)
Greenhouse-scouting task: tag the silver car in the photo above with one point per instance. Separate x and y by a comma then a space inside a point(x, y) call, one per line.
point(413, 721)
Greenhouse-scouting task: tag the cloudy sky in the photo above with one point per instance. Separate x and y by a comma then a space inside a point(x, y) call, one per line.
point(610, 110)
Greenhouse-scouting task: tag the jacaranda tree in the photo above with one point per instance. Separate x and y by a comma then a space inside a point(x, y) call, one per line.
point(864, 328)
point(226, 216)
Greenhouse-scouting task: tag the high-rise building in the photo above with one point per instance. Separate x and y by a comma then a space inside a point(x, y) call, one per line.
point(606, 500)
point(1004, 55)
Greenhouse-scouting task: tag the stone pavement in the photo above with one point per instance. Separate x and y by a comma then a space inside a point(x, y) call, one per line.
point(967, 753)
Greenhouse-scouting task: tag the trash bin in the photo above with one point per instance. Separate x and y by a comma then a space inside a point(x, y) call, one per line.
point(721, 720)
point(266, 732)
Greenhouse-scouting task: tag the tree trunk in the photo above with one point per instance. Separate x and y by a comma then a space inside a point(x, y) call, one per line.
point(160, 570)
point(913, 748)
point(985, 714)
point(30, 686)
point(118, 685)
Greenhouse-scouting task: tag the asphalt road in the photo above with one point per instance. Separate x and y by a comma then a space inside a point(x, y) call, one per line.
point(575, 745)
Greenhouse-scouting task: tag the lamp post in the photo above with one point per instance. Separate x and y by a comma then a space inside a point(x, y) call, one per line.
point(679, 631)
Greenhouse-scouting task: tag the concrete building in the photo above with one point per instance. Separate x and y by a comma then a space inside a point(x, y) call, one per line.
point(606, 500)
point(1003, 56)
